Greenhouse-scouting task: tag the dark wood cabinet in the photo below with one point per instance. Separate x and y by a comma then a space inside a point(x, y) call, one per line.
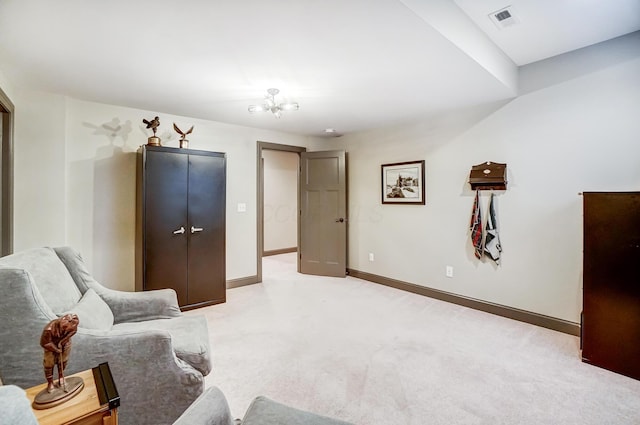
point(180, 223)
point(611, 281)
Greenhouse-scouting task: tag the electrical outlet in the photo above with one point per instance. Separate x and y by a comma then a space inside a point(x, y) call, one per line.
point(371, 258)
point(449, 271)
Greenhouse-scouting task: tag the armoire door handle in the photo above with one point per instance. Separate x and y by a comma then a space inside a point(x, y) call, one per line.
point(196, 229)
point(179, 231)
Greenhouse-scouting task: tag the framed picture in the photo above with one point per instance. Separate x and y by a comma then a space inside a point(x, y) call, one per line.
point(403, 183)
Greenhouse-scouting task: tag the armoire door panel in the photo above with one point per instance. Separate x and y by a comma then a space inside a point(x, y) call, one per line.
point(207, 209)
point(166, 213)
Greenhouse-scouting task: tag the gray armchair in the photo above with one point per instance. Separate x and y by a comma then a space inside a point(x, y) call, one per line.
point(157, 356)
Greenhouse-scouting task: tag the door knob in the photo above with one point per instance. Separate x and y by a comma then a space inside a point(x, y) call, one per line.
point(179, 231)
point(340, 220)
point(196, 229)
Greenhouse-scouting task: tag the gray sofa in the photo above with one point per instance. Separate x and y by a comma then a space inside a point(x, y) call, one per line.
point(157, 356)
point(210, 408)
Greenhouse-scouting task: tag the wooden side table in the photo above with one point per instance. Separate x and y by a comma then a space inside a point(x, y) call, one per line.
point(89, 407)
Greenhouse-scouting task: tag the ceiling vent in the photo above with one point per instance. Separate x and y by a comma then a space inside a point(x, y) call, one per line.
point(503, 18)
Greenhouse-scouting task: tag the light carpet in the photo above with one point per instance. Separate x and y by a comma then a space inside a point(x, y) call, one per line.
point(375, 355)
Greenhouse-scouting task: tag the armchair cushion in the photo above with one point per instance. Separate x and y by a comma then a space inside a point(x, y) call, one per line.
point(93, 312)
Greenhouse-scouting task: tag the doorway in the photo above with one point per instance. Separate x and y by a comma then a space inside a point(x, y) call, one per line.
point(280, 206)
point(272, 150)
point(6, 174)
point(321, 204)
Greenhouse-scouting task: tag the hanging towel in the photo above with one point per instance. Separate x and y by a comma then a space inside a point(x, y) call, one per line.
point(492, 245)
point(476, 227)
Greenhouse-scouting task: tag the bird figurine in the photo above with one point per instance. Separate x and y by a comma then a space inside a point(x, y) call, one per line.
point(153, 124)
point(182, 133)
point(183, 142)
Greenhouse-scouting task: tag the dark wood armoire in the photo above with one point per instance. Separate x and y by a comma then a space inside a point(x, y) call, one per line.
point(611, 281)
point(180, 223)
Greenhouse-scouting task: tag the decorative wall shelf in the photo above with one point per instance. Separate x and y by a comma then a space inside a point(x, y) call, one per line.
point(488, 176)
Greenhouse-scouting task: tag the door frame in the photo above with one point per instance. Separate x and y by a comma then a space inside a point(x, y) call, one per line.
point(260, 198)
point(6, 200)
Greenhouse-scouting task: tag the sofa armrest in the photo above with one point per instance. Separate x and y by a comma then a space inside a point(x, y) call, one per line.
point(15, 407)
point(154, 385)
point(211, 408)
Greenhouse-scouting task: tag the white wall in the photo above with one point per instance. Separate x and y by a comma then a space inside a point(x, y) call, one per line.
point(6, 86)
point(75, 180)
point(39, 208)
point(579, 133)
point(280, 199)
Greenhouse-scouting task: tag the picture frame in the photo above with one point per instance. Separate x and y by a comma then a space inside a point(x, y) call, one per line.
point(403, 183)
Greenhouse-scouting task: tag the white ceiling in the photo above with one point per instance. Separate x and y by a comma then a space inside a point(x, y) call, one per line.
point(548, 28)
point(352, 65)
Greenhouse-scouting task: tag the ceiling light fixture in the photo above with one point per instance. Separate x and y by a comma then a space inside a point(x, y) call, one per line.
point(271, 105)
point(331, 132)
